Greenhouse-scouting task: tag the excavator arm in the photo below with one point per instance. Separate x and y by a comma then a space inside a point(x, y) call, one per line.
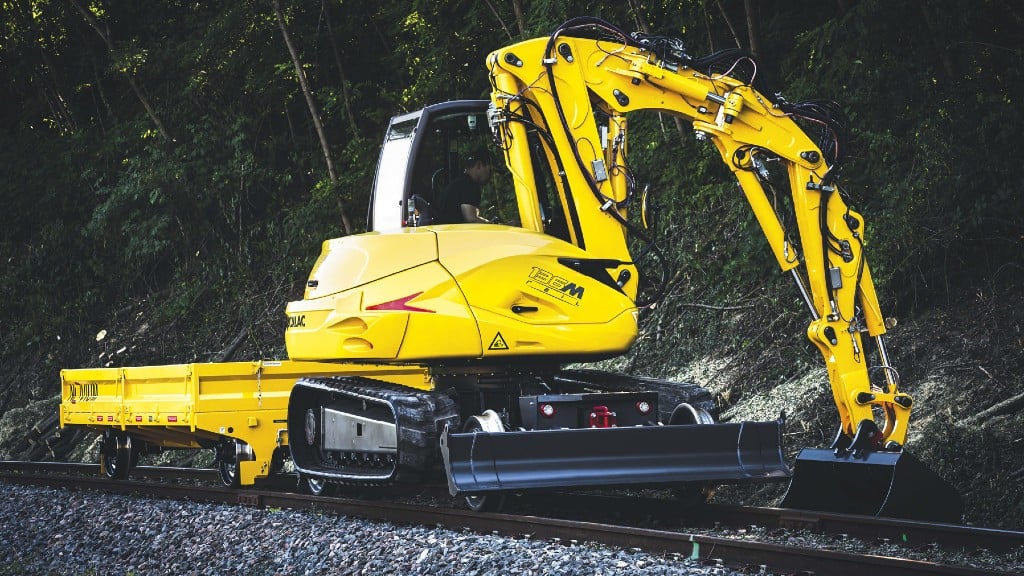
point(560, 105)
point(576, 93)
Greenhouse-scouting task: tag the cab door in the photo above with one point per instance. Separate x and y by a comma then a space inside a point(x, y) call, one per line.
point(422, 152)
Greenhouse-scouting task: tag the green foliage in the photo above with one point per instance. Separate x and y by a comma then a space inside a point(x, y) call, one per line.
point(933, 120)
point(101, 209)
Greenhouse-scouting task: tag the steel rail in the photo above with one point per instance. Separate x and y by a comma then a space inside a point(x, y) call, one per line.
point(869, 528)
point(565, 505)
point(94, 469)
point(708, 549)
point(904, 532)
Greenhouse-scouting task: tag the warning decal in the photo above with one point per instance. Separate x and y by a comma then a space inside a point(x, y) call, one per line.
point(498, 343)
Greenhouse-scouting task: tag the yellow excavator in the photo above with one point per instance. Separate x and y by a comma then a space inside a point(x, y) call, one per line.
point(495, 310)
point(443, 346)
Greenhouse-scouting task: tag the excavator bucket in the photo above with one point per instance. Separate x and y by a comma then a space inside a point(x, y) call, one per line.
point(892, 484)
point(590, 457)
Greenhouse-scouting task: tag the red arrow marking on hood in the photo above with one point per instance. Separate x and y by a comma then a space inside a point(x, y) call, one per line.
point(400, 304)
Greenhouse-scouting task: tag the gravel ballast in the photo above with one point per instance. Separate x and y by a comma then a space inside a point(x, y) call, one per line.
point(55, 531)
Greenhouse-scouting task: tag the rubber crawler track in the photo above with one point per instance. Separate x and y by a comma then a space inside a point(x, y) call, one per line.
point(420, 419)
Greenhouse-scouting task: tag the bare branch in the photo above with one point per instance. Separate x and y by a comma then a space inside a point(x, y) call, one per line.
point(498, 17)
point(728, 23)
point(104, 33)
point(226, 354)
point(313, 110)
point(1005, 407)
point(718, 308)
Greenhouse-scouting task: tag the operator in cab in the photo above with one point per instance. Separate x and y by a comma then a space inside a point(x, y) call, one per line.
point(460, 201)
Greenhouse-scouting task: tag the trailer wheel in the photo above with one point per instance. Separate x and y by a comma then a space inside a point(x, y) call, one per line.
point(687, 414)
point(228, 472)
point(229, 454)
point(117, 456)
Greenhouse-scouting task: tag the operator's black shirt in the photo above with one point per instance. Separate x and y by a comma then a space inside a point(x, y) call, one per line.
point(462, 190)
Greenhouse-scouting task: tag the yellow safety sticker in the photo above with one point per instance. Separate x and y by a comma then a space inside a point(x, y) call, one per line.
point(498, 343)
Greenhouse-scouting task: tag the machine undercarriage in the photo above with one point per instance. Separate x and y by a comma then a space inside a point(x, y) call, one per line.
point(502, 431)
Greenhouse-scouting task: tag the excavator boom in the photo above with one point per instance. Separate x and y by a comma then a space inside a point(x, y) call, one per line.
point(570, 91)
point(551, 82)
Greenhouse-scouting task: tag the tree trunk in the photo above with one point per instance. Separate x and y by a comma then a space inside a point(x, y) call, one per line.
point(641, 20)
point(940, 51)
point(313, 111)
point(59, 104)
point(498, 18)
point(104, 33)
point(753, 31)
point(346, 101)
point(49, 86)
point(517, 7)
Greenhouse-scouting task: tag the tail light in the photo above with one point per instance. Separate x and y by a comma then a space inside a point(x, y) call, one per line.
point(643, 407)
point(547, 410)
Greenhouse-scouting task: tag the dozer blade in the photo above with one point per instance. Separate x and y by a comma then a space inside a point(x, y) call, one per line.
point(648, 455)
point(891, 484)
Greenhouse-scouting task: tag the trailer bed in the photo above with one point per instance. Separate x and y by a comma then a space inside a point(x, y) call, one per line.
point(199, 405)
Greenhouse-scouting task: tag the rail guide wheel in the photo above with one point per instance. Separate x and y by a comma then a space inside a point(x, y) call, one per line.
point(318, 486)
point(488, 422)
point(691, 494)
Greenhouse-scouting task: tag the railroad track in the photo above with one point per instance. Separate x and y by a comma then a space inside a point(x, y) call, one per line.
point(746, 554)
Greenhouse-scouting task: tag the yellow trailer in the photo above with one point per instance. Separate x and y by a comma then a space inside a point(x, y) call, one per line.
point(238, 409)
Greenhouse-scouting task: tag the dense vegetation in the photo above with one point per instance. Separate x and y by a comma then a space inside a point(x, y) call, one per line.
point(163, 177)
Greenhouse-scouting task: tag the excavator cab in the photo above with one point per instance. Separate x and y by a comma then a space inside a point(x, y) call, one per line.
point(423, 152)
